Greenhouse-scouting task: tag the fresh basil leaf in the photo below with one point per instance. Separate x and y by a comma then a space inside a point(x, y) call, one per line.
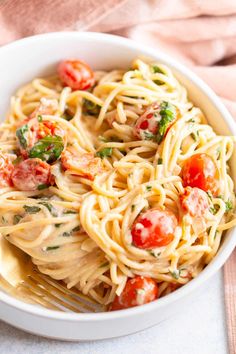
point(106, 152)
point(48, 148)
point(167, 113)
point(31, 209)
point(20, 134)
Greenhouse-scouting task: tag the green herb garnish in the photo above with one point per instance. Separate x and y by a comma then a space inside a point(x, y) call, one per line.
point(91, 108)
point(17, 219)
point(66, 234)
point(20, 133)
point(175, 274)
point(40, 118)
point(160, 161)
point(228, 206)
point(57, 225)
point(42, 186)
point(31, 209)
point(167, 113)
point(195, 136)
point(132, 207)
point(69, 212)
point(48, 148)
point(214, 209)
point(50, 248)
point(76, 229)
point(106, 152)
point(148, 135)
point(104, 265)
point(148, 188)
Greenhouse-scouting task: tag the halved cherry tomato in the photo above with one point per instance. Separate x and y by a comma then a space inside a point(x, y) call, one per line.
point(154, 228)
point(6, 168)
point(85, 165)
point(31, 175)
point(200, 171)
point(194, 201)
point(138, 291)
point(76, 74)
point(155, 122)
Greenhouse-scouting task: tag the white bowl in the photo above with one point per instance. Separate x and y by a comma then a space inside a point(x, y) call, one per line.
point(25, 59)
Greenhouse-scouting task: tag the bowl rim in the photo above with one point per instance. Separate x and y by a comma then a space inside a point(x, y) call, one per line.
point(218, 260)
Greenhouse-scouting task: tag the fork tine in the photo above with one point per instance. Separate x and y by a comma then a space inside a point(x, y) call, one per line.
point(51, 296)
point(36, 296)
point(74, 296)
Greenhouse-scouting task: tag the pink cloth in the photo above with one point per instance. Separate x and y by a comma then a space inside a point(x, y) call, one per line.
point(200, 33)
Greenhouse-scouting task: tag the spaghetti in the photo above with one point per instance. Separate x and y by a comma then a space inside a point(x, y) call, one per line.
point(116, 149)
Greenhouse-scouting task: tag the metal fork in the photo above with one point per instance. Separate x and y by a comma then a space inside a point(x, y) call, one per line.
point(20, 278)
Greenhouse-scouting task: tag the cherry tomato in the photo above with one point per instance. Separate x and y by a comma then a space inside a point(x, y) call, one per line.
point(154, 228)
point(31, 132)
point(76, 74)
point(138, 291)
point(156, 121)
point(200, 171)
point(194, 201)
point(6, 168)
point(85, 165)
point(31, 175)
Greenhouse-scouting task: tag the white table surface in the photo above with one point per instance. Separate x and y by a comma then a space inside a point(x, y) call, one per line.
point(201, 329)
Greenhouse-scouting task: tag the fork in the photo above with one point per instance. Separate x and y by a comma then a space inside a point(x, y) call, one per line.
point(20, 278)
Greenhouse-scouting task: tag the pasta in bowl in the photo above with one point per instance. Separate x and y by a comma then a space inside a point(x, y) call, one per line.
point(114, 182)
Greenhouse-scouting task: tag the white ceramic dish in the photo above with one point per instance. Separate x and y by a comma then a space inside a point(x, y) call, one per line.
point(38, 55)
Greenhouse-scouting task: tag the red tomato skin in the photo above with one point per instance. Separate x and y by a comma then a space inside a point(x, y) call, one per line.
point(194, 201)
point(130, 297)
point(6, 169)
point(76, 74)
point(154, 228)
point(31, 173)
point(201, 171)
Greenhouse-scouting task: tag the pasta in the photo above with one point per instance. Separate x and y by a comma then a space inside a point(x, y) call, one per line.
point(108, 166)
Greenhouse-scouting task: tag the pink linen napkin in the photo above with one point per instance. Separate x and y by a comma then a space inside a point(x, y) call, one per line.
point(200, 33)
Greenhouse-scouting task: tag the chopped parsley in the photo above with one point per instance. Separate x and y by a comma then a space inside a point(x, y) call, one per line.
point(20, 134)
point(40, 118)
point(69, 212)
point(160, 161)
point(156, 69)
point(17, 219)
point(76, 229)
point(228, 206)
point(148, 135)
point(48, 148)
point(154, 254)
point(132, 207)
point(106, 152)
point(167, 114)
point(4, 221)
point(31, 209)
point(214, 209)
point(91, 108)
point(42, 186)
point(57, 225)
point(66, 234)
point(175, 274)
point(50, 248)
point(148, 188)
